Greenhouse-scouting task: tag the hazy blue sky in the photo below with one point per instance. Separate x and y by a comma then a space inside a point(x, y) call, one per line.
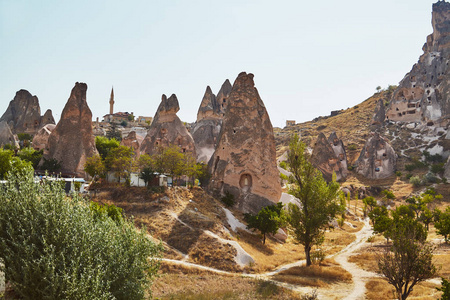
point(308, 57)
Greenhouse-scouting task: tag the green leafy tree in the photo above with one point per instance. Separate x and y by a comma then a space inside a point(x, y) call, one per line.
point(409, 260)
point(31, 155)
point(445, 289)
point(169, 160)
point(51, 165)
point(442, 223)
point(268, 220)
point(95, 167)
point(52, 247)
point(380, 220)
point(370, 203)
point(104, 145)
point(318, 201)
point(147, 174)
point(113, 133)
point(120, 161)
point(5, 162)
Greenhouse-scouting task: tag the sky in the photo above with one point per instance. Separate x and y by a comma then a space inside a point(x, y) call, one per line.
point(308, 57)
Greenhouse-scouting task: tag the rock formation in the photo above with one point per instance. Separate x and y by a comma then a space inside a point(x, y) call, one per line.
point(329, 156)
point(167, 129)
point(6, 135)
point(71, 141)
point(206, 129)
point(40, 139)
point(447, 169)
point(23, 114)
point(377, 159)
point(244, 162)
point(424, 93)
point(380, 114)
point(134, 141)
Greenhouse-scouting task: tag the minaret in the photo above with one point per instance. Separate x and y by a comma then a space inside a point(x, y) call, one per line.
point(111, 102)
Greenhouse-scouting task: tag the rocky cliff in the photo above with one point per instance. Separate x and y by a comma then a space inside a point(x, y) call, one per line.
point(6, 135)
point(23, 114)
point(244, 162)
point(424, 93)
point(72, 141)
point(133, 141)
point(206, 129)
point(167, 129)
point(40, 139)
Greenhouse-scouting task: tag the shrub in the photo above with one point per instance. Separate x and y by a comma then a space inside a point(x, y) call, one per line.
point(438, 168)
point(352, 147)
point(317, 256)
point(415, 181)
point(408, 176)
point(228, 199)
point(398, 174)
point(67, 250)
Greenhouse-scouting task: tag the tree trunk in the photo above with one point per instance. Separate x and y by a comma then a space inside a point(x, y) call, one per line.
point(264, 239)
point(308, 255)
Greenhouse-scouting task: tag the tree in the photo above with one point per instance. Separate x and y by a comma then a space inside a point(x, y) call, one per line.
point(51, 165)
point(147, 174)
point(120, 161)
point(31, 155)
point(317, 200)
point(378, 89)
point(113, 133)
point(169, 160)
point(268, 220)
point(105, 145)
point(409, 260)
point(380, 220)
point(5, 162)
point(445, 289)
point(94, 166)
point(442, 223)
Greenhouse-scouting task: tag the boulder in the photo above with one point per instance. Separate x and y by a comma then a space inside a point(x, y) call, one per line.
point(6, 135)
point(71, 141)
point(133, 141)
point(23, 114)
point(377, 159)
point(40, 139)
point(206, 129)
point(167, 129)
point(244, 162)
point(422, 95)
point(329, 157)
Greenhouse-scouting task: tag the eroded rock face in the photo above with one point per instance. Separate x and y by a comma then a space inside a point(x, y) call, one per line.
point(206, 129)
point(40, 139)
point(47, 118)
point(424, 93)
point(23, 114)
point(244, 162)
point(167, 129)
point(377, 159)
point(133, 141)
point(447, 169)
point(329, 156)
point(6, 135)
point(71, 141)
point(380, 114)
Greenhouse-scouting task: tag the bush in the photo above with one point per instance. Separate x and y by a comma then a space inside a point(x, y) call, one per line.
point(352, 147)
point(415, 181)
point(398, 174)
point(67, 251)
point(228, 199)
point(317, 256)
point(438, 168)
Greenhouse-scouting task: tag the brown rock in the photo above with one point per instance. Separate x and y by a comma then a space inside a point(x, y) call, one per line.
point(377, 159)
point(23, 114)
point(133, 141)
point(167, 129)
point(244, 162)
point(6, 135)
point(72, 141)
point(379, 115)
point(47, 118)
point(329, 156)
point(40, 139)
point(209, 122)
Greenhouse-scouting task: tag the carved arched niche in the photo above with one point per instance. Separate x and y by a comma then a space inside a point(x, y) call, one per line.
point(245, 182)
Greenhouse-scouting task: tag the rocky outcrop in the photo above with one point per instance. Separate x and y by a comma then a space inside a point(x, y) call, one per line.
point(329, 157)
point(40, 139)
point(244, 162)
point(206, 129)
point(424, 93)
point(377, 159)
point(6, 135)
point(71, 141)
point(23, 114)
point(133, 141)
point(380, 114)
point(447, 169)
point(167, 129)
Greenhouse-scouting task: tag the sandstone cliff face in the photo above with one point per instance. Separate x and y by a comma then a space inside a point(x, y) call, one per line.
point(72, 142)
point(377, 159)
point(380, 114)
point(23, 114)
point(329, 156)
point(6, 135)
point(167, 129)
point(447, 169)
point(424, 93)
point(244, 162)
point(47, 118)
point(40, 139)
point(206, 129)
point(133, 141)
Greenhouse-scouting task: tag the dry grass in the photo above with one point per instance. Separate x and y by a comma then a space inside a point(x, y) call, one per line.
point(337, 239)
point(314, 275)
point(182, 286)
point(378, 288)
point(366, 261)
point(442, 261)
